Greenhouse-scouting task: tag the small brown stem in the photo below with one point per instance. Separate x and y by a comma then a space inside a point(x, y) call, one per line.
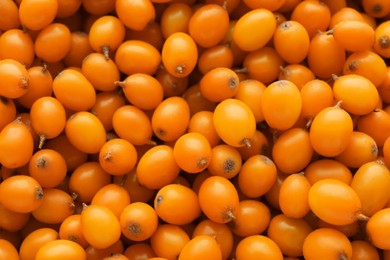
point(106, 51)
point(42, 139)
point(334, 77)
point(330, 32)
point(225, 5)
point(338, 104)
point(241, 70)
point(308, 123)
point(123, 180)
point(121, 84)
point(74, 196)
point(362, 217)
point(246, 142)
point(151, 142)
point(230, 215)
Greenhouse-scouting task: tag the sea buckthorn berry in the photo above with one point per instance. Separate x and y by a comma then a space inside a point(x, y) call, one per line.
point(334, 202)
point(100, 226)
point(55, 34)
point(138, 221)
point(16, 144)
point(249, 91)
point(201, 247)
point(257, 176)
point(118, 156)
point(294, 230)
point(362, 249)
point(113, 196)
point(48, 118)
point(196, 101)
point(298, 41)
point(135, 14)
point(192, 152)
point(106, 34)
point(107, 103)
point(101, 72)
point(57, 205)
point(140, 85)
point(315, 16)
point(175, 18)
point(263, 64)
point(225, 161)
point(74, 90)
point(172, 86)
point(202, 122)
point(85, 131)
point(261, 20)
point(168, 240)
point(370, 182)
point(296, 73)
point(269, 5)
point(214, 57)
point(21, 194)
point(35, 240)
point(376, 9)
point(48, 167)
point(36, 15)
point(7, 110)
point(60, 248)
point(258, 247)
point(221, 232)
point(218, 199)
point(151, 34)
point(9, 16)
point(18, 45)
point(351, 90)
point(328, 243)
point(86, 180)
point(134, 56)
point(281, 104)
point(345, 13)
point(367, 64)
point(79, 49)
point(327, 169)
point(40, 85)
point(284, 150)
point(378, 229)
point(170, 118)
point(260, 144)
point(98, 8)
point(316, 95)
point(354, 35)
point(14, 78)
point(157, 167)
point(361, 149)
point(234, 122)
point(331, 143)
point(252, 218)
point(293, 196)
point(382, 39)
point(179, 54)
point(177, 204)
point(128, 116)
point(208, 25)
point(376, 124)
point(323, 46)
point(219, 84)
